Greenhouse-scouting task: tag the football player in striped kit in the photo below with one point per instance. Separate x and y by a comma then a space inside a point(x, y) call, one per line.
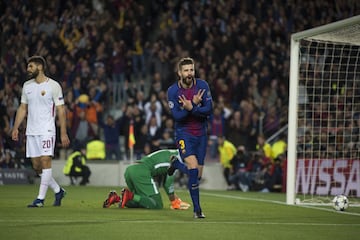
point(190, 102)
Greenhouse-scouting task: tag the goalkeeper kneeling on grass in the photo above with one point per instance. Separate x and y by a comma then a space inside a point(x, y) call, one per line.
point(142, 190)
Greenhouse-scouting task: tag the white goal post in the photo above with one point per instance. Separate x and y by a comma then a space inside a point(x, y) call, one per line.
point(324, 101)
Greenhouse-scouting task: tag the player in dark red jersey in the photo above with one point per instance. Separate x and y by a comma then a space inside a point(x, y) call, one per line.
point(191, 105)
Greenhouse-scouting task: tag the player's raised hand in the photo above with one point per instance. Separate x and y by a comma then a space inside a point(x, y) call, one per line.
point(197, 98)
point(186, 104)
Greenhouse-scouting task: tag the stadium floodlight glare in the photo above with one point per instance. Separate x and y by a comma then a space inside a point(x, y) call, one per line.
point(324, 113)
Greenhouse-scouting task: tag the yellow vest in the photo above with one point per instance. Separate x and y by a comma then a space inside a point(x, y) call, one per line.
point(227, 152)
point(70, 160)
point(267, 149)
point(278, 148)
point(95, 150)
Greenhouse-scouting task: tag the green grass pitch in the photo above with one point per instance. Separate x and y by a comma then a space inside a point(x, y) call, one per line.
point(229, 215)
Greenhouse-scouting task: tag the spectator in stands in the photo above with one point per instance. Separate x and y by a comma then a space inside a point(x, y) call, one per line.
point(132, 90)
point(271, 121)
point(111, 130)
point(161, 69)
point(140, 100)
point(166, 141)
point(165, 113)
point(168, 126)
point(69, 36)
point(131, 112)
point(7, 119)
point(254, 131)
point(216, 128)
point(95, 106)
point(324, 145)
point(70, 105)
point(236, 132)
point(138, 54)
point(95, 150)
point(156, 84)
point(153, 108)
point(81, 131)
point(143, 140)
point(7, 160)
point(279, 146)
point(307, 145)
point(118, 68)
point(167, 132)
point(155, 133)
point(263, 146)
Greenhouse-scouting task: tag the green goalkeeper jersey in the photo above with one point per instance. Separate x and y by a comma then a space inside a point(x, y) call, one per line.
point(158, 162)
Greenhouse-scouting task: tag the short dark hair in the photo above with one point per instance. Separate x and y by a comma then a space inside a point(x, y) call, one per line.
point(185, 61)
point(37, 59)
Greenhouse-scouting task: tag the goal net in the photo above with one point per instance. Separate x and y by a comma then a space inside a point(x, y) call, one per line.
point(324, 114)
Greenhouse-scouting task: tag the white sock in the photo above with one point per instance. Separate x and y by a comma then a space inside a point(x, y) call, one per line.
point(44, 182)
point(54, 185)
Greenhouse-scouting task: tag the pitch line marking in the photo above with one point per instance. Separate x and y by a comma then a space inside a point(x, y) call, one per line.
point(281, 203)
point(20, 221)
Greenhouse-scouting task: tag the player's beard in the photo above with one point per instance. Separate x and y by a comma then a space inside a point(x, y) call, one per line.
point(187, 81)
point(34, 74)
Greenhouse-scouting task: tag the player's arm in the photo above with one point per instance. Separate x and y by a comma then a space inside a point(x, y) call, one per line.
point(169, 185)
point(58, 99)
point(177, 111)
point(62, 121)
point(176, 202)
point(20, 115)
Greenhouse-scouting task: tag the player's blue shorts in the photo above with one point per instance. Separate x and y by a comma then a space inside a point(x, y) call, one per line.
point(192, 145)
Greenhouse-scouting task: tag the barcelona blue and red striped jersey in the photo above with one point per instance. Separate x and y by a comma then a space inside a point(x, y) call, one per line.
point(192, 122)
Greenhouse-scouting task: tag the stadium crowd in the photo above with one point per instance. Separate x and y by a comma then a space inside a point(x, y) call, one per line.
point(121, 55)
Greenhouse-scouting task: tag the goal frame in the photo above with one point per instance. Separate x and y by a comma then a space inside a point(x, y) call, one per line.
point(293, 95)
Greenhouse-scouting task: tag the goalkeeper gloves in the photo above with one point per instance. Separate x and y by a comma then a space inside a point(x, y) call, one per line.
point(177, 204)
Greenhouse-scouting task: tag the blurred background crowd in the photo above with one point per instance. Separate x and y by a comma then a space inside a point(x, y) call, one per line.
point(115, 60)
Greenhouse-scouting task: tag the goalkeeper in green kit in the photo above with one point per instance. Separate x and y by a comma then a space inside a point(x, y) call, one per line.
point(142, 190)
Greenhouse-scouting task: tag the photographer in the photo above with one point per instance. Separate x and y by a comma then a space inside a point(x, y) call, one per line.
point(239, 166)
